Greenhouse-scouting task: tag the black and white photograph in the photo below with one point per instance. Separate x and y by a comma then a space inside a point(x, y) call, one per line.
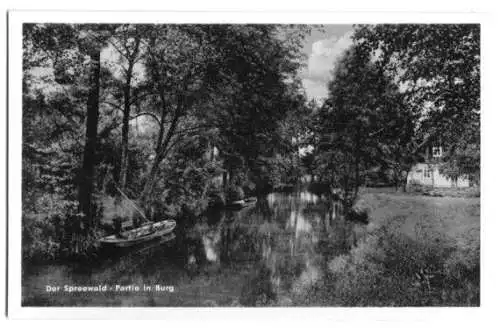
point(250, 165)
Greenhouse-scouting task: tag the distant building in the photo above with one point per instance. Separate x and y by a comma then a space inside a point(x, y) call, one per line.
point(427, 173)
point(212, 154)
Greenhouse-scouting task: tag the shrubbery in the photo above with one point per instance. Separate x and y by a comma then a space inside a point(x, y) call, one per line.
point(391, 269)
point(409, 257)
point(61, 232)
point(234, 193)
point(216, 197)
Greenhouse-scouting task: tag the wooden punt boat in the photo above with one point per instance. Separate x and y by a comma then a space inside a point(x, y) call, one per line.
point(139, 235)
point(239, 204)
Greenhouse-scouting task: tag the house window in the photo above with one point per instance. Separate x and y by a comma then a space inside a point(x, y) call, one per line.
point(427, 173)
point(437, 152)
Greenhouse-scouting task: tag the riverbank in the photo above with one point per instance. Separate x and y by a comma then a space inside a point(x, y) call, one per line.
point(417, 251)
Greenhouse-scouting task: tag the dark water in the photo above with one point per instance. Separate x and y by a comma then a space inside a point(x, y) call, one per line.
point(272, 253)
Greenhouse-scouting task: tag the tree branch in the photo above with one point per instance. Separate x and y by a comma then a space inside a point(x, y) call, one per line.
point(113, 105)
point(147, 114)
point(117, 48)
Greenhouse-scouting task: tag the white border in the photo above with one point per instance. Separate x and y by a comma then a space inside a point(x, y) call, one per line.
point(419, 316)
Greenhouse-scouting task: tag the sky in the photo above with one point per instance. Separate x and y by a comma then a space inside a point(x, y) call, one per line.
point(322, 49)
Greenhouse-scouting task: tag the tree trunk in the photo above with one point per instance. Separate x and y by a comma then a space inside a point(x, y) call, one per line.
point(405, 181)
point(125, 130)
point(356, 164)
point(149, 186)
point(87, 172)
point(356, 178)
point(224, 179)
point(161, 153)
point(131, 58)
point(396, 175)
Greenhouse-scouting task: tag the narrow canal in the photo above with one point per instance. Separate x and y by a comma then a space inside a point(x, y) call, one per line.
point(271, 253)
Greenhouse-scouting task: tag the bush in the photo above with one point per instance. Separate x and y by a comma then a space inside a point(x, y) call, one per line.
point(416, 253)
point(249, 188)
point(215, 196)
point(63, 232)
point(414, 186)
point(357, 215)
point(234, 193)
point(390, 269)
point(38, 238)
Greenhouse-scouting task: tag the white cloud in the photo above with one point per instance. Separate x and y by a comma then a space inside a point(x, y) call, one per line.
point(324, 54)
point(321, 62)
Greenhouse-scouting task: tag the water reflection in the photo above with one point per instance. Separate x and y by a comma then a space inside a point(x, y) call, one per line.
point(281, 236)
point(266, 254)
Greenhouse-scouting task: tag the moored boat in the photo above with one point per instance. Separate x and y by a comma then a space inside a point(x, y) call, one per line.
point(239, 204)
point(139, 235)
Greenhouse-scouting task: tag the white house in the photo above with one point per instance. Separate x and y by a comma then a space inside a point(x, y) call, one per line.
point(427, 173)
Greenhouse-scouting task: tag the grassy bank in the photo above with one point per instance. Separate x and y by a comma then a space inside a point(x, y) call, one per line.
point(417, 251)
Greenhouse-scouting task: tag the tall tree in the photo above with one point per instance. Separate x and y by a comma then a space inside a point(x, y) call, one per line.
point(256, 73)
point(361, 126)
point(175, 66)
point(219, 77)
point(91, 41)
point(126, 41)
point(437, 67)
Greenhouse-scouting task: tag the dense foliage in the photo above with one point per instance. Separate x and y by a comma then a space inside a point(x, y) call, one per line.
point(439, 67)
point(398, 90)
point(170, 115)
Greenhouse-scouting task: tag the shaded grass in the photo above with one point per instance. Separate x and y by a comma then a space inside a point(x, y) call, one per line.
point(417, 251)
